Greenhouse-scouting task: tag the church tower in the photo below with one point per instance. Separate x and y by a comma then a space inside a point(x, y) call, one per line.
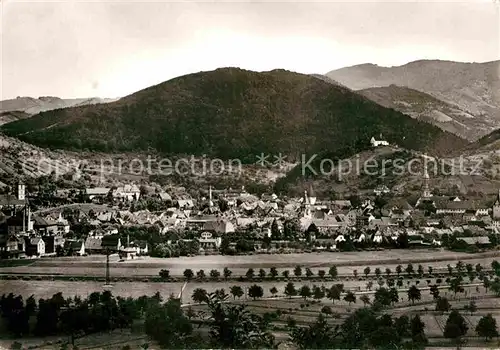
point(21, 191)
point(496, 208)
point(307, 205)
point(426, 192)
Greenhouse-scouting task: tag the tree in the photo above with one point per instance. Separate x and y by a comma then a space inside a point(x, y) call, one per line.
point(459, 266)
point(443, 305)
point(255, 291)
point(394, 295)
point(290, 290)
point(469, 268)
point(318, 292)
point(297, 271)
point(388, 272)
point(383, 296)
point(429, 270)
point(309, 273)
point(369, 285)
point(357, 328)
point(164, 274)
point(417, 330)
point(402, 325)
point(234, 327)
point(399, 269)
point(399, 283)
point(273, 291)
point(227, 273)
point(409, 269)
point(479, 268)
point(367, 271)
point(321, 273)
point(273, 272)
point(305, 292)
point(378, 272)
point(275, 231)
point(456, 326)
point(199, 295)
point(214, 274)
point(319, 335)
point(333, 293)
point(486, 283)
point(456, 285)
point(420, 270)
point(333, 272)
point(365, 299)
point(495, 266)
point(450, 269)
point(236, 291)
point(188, 274)
point(250, 274)
point(200, 274)
point(327, 310)
point(487, 327)
point(286, 273)
point(414, 294)
point(167, 324)
point(355, 273)
point(434, 290)
point(350, 297)
point(262, 273)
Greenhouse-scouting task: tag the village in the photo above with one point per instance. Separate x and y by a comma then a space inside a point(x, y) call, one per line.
point(233, 221)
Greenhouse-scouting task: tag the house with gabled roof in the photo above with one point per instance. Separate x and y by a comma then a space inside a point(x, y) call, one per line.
point(75, 247)
point(35, 246)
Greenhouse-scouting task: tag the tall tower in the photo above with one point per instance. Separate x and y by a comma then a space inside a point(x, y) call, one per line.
point(496, 208)
point(426, 192)
point(210, 203)
point(307, 205)
point(21, 191)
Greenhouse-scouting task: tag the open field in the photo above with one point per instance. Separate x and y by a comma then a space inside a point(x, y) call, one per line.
point(346, 262)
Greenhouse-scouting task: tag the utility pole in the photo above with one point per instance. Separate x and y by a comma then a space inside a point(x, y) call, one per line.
point(107, 266)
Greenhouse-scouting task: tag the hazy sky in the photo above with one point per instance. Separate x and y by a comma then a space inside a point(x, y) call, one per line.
point(113, 48)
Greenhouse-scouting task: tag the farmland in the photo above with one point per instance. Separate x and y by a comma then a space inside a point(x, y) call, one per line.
point(304, 310)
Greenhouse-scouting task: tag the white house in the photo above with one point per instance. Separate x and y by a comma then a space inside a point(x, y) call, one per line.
point(377, 143)
point(127, 193)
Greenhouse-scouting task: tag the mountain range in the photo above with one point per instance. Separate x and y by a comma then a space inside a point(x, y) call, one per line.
point(24, 107)
point(463, 98)
point(233, 113)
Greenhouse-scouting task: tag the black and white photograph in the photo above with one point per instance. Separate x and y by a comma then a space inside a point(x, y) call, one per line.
point(249, 174)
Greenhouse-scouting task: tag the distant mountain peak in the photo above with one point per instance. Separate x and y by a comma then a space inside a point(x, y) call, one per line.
point(471, 88)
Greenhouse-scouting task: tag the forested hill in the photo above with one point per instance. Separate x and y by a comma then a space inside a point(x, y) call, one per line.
point(232, 113)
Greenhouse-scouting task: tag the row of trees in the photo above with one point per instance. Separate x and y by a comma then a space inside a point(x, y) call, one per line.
point(461, 269)
point(251, 273)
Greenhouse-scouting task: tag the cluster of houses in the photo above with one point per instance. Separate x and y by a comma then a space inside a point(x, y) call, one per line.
point(43, 233)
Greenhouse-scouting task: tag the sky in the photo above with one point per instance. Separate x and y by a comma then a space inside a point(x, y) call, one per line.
point(113, 48)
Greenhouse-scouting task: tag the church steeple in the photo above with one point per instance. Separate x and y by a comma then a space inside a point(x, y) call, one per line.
point(312, 196)
point(426, 192)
